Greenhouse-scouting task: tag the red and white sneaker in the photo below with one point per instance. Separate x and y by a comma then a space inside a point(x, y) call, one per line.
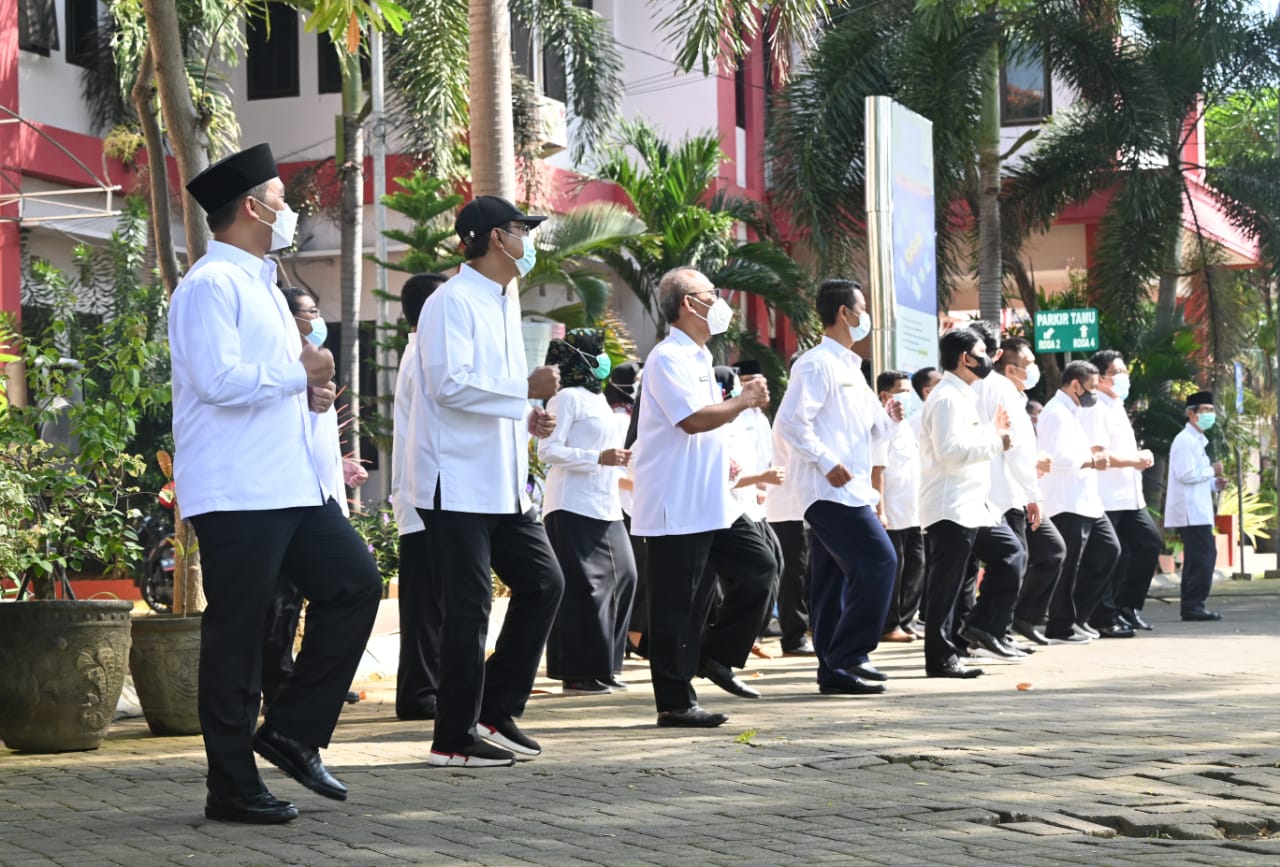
point(508, 736)
point(476, 755)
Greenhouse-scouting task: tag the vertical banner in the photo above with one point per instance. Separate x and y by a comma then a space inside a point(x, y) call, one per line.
point(902, 246)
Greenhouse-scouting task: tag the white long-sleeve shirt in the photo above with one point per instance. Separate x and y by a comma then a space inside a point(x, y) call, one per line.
point(1072, 484)
point(956, 448)
point(784, 502)
point(752, 448)
point(1189, 500)
point(328, 456)
point(681, 479)
point(1108, 425)
point(829, 416)
point(900, 457)
point(1014, 482)
point(242, 428)
point(469, 424)
point(407, 518)
point(576, 480)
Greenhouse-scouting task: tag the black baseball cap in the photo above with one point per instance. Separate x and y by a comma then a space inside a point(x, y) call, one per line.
point(485, 213)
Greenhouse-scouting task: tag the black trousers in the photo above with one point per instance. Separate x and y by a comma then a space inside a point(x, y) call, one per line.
point(277, 644)
point(1199, 557)
point(680, 592)
point(908, 584)
point(589, 636)
point(1140, 547)
point(242, 555)
point(775, 545)
point(793, 582)
point(1092, 552)
point(1045, 553)
point(949, 547)
point(639, 607)
point(462, 548)
point(417, 677)
point(851, 571)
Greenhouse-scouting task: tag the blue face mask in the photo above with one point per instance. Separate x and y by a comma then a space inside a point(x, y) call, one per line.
point(601, 364)
point(319, 331)
point(1205, 420)
point(528, 258)
point(862, 329)
point(911, 405)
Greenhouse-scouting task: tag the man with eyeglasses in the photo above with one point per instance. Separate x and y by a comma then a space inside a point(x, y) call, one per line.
point(469, 428)
point(1120, 486)
point(684, 509)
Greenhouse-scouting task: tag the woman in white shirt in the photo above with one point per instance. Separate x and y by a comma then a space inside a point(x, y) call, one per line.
point(583, 516)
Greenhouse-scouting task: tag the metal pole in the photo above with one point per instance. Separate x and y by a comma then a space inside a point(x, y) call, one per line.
point(1240, 510)
point(879, 202)
point(381, 332)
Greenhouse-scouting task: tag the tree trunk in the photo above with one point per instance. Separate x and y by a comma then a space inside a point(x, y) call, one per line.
point(144, 94)
point(1167, 294)
point(493, 149)
point(351, 167)
point(185, 127)
point(990, 272)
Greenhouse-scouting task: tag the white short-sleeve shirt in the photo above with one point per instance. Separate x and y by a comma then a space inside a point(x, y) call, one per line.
point(681, 479)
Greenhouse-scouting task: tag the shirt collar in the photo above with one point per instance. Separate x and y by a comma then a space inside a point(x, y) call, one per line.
point(966, 389)
point(1107, 400)
point(679, 336)
point(472, 275)
point(836, 348)
point(252, 265)
point(1199, 434)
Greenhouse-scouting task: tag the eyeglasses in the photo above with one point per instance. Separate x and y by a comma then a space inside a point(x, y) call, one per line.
point(520, 230)
point(714, 293)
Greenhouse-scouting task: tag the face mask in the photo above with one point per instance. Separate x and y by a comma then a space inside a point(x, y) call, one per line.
point(283, 229)
point(1033, 376)
point(1205, 420)
point(718, 317)
point(1120, 385)
point(862, 329)
point(737, 388)
point(1087, 399)
point(319, 331)
point(911, 404)
point(984, 366)
point(600, 364)
point(528, 256)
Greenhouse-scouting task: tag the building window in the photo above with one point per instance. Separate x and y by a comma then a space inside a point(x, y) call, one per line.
point(38, 26)
point(329, 65)
point(740, 95)
point(82, 32)
point(272, 56)
point(1024, 90)
point(545, 67)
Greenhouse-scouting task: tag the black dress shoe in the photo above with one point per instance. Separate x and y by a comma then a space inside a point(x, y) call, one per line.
point(1134, 618)
point(846, 683)
point(1030, 632)
point(261, 809)
point(1202, 614)
point(1115, 630)
point(692, 717)
point(953, 668)
point(425, 709)
point(722, 676)
point(298, 760)
point(864, 671)
point(804, 648)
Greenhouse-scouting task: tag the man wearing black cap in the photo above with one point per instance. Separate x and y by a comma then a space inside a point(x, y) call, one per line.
point(1189, 505)
point(469, 426)
point(244, 468)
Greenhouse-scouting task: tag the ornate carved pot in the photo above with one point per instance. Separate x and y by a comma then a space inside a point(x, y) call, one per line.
point(165, 661)
point(62, 666)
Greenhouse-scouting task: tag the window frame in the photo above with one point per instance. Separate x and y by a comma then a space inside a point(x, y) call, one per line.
point(269, 51)
point(1047, 102)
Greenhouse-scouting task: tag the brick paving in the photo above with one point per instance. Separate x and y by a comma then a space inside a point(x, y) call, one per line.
point(1157, 750)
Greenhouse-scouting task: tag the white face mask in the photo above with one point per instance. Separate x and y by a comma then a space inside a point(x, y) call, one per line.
point(283, 229)
point(862, 329)
point(1120, 385)
point(1033, 376)
point(718, 317)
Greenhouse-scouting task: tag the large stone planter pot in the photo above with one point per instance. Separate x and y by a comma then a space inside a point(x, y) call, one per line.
point(165, 662)
point(62, 667)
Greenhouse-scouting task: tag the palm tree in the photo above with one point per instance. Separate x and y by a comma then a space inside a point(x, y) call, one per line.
point(669, 187)
point(493, 151)
point(1145, 74)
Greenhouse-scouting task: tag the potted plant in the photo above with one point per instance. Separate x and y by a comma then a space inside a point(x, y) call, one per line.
point(68, 478)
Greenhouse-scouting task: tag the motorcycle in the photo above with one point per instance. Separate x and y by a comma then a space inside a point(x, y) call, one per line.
point(155, 575)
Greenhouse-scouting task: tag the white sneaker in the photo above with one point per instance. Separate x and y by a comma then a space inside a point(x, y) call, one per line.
point(477, 755)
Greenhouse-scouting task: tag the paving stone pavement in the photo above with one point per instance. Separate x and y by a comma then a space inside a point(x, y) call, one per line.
point(1157, 750)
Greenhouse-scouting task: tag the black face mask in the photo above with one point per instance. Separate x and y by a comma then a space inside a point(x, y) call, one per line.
point(1087, 399)
point(984, 366)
